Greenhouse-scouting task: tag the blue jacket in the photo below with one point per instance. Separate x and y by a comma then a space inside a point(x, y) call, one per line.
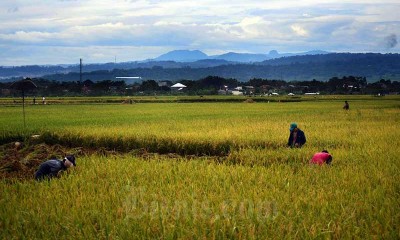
point(300, 140)
point(49, 169)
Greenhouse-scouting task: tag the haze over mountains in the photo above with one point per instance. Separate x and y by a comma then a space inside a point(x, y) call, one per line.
point(195, 55)
point(172, 59)
point(193, 65)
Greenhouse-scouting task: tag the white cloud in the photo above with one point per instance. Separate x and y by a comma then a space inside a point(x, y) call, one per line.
point(299, 30)
point(31, 37)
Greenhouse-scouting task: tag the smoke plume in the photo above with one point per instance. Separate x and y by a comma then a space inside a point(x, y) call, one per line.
point(391, 41)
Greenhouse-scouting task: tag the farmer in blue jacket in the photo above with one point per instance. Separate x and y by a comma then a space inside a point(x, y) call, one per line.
point(53, 167)
point(296, 137)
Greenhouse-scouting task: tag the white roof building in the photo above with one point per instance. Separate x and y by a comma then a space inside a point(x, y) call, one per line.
point(178, 85)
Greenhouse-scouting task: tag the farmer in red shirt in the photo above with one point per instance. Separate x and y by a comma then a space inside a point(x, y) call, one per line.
point(321, 158)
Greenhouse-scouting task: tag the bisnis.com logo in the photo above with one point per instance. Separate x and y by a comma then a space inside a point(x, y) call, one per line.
point(141, 205)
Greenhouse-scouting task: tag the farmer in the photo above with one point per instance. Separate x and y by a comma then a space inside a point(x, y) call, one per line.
point(52, 168)
point(321, 158)
point(346, 105)
point(296, 137)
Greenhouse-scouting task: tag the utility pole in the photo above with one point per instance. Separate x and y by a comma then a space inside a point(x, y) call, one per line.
point(80, 70)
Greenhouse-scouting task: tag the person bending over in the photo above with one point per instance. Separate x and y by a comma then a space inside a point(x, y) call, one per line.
point(52, 168)
point(321, 158)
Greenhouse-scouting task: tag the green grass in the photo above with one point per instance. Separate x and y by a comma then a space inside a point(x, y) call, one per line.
point(259, 189)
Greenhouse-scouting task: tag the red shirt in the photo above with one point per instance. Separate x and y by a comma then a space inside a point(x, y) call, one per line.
point(320, 158)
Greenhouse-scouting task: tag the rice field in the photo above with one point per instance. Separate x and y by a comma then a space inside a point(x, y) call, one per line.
point(214, 170)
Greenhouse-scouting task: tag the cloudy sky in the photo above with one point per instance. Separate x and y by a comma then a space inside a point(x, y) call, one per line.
point(62, 31)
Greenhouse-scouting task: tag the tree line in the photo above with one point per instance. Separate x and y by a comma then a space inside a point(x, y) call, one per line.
point(210, 85)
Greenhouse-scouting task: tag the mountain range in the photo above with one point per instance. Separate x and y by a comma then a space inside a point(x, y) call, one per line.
point(194, 65)
point(172, 59)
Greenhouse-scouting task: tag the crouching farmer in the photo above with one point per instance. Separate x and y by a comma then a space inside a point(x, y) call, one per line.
point(321, 158)
point(52, 168)
point(297, 138)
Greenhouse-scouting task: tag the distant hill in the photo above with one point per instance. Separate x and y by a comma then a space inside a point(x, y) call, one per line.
point(182, 56)
point(360, 58)
point(242, 57)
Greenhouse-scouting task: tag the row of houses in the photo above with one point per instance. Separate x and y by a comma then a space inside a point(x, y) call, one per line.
point(250, 90)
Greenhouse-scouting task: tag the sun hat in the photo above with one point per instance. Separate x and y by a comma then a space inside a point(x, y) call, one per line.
point(71, 158)
point(293, 126)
